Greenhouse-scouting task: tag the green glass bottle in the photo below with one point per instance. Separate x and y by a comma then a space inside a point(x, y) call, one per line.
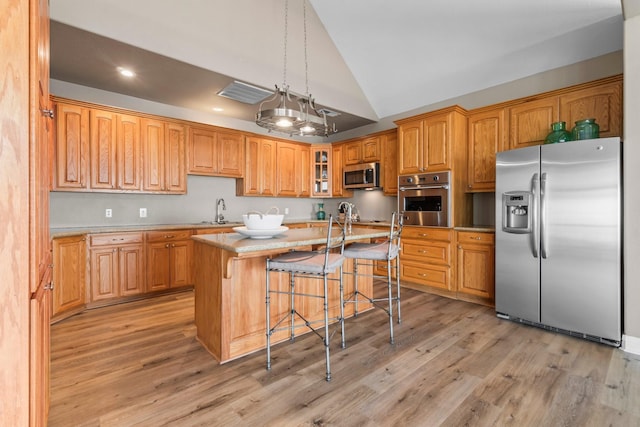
point(586, 129)
point(559, 133)
point(320, 213)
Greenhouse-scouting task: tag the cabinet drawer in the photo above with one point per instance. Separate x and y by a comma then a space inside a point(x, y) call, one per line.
point(430, 275)
point(115, 239)
point(426, 233)
point(431, 252)
point(168, 235)
point(475, 237)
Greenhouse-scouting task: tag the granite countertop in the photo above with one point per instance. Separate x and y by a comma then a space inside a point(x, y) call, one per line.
point(76, 231)
point(235, 242)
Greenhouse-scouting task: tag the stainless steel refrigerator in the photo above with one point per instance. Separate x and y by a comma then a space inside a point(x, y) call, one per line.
point(559, 237)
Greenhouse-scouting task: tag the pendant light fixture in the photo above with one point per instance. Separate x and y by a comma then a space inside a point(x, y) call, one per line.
point(288, 112)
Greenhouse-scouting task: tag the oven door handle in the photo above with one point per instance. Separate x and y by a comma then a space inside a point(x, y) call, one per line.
point(425, 187)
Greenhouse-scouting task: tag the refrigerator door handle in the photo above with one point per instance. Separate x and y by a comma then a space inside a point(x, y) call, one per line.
point(534, 216)
point(543, 216)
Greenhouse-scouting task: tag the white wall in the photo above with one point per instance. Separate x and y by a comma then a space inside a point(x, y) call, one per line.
point(631, 149)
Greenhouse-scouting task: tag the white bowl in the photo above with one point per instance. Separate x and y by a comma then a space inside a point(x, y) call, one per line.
point(254, 221)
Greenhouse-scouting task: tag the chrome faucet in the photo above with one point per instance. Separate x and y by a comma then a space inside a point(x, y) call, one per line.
point(219, 216)
point(348, 220)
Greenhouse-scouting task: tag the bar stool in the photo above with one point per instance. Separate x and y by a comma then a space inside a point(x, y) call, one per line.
point(315, 265)
point(366, 254)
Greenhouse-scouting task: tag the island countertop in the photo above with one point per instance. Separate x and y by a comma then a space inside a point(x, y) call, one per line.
point(235, 242)
point(230, 286)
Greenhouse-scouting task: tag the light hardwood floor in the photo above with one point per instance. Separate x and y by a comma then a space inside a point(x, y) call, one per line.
point(453, 364)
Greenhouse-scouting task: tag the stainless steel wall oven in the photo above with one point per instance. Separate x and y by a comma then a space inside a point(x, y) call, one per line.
point(424, 199)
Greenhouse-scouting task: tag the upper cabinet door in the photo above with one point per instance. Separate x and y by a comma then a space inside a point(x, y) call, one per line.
point(230, 154)
point(152, 138)
point(410, 147)
point(486, 138)
point(603, 103)
point(371, 149)
point(103, 150)
point(390, 163)
point(129, 154)
point(530, 122)
point(203, 155)
point(72, 147)
point(353, 153)
point(286, 175)
point(175, 155)
point(436, 145)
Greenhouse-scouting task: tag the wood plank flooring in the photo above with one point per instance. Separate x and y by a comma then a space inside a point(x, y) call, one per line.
point(453, 364)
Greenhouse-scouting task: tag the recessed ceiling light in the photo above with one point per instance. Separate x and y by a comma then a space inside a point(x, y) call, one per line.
point(126, 72)
point(218, 109)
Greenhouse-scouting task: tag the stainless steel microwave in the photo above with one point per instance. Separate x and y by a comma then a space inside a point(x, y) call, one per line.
point(362, 176)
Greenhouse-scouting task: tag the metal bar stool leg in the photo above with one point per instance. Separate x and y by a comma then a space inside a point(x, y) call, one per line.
point(343, 342)
point(292, 312)
point(355, 287)
point(390, 300)
point(326, 328)
point(268, 319)
point(398, 287)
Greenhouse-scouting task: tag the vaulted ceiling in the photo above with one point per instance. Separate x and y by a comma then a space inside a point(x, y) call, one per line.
point(367, 59)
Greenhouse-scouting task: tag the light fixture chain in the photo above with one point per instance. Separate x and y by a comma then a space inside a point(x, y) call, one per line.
point(306, 62)
point(286, 31)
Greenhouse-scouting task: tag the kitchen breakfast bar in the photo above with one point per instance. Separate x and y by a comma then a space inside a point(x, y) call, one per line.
point(229, 277)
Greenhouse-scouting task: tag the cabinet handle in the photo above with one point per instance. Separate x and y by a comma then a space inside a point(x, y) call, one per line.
point(422, 251)
point(475, 238)
point(48, 113)
point(423, 235)
point(115, 249)
point(173, 245)
point(48, 286)
point(166, 246)
point(169, 236)
point(422, 275)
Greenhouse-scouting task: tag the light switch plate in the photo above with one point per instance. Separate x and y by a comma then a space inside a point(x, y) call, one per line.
point(143, 212)
point(108, 213)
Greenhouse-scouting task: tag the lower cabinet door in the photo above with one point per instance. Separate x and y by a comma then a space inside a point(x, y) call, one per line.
point(131, 260)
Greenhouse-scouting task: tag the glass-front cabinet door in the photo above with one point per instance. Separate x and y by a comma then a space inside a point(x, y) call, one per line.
point(321, 170)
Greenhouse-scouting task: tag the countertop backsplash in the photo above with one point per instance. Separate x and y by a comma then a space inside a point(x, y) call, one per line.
point(80, 209)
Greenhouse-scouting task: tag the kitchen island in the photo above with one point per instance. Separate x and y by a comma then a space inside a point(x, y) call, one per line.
point(229, 276)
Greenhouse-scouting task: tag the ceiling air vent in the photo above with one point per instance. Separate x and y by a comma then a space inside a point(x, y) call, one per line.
point(246, 93)
point(328, 113)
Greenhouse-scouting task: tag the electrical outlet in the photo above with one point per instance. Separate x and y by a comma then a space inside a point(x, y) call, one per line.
point(143, 212)
point(108, 213)
point(286, 211)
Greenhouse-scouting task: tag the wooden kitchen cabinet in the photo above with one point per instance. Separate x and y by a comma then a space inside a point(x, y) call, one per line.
point(128, 153)
point(602, 102)
point(260, 168)
point(115, 155)
point(389, 163)
point(321, 171)
point(293, 170)
point(432, 142)
point(71, 148)
point(169, 259)
point(362, 150)
point(102, 149)
point(69, 276)
point(117, 265)
point(214, 152)
point(530, 121)
point(426, 259)
point(163, 152)
point(487, 136)
point(475, 266)
point(337, 171)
